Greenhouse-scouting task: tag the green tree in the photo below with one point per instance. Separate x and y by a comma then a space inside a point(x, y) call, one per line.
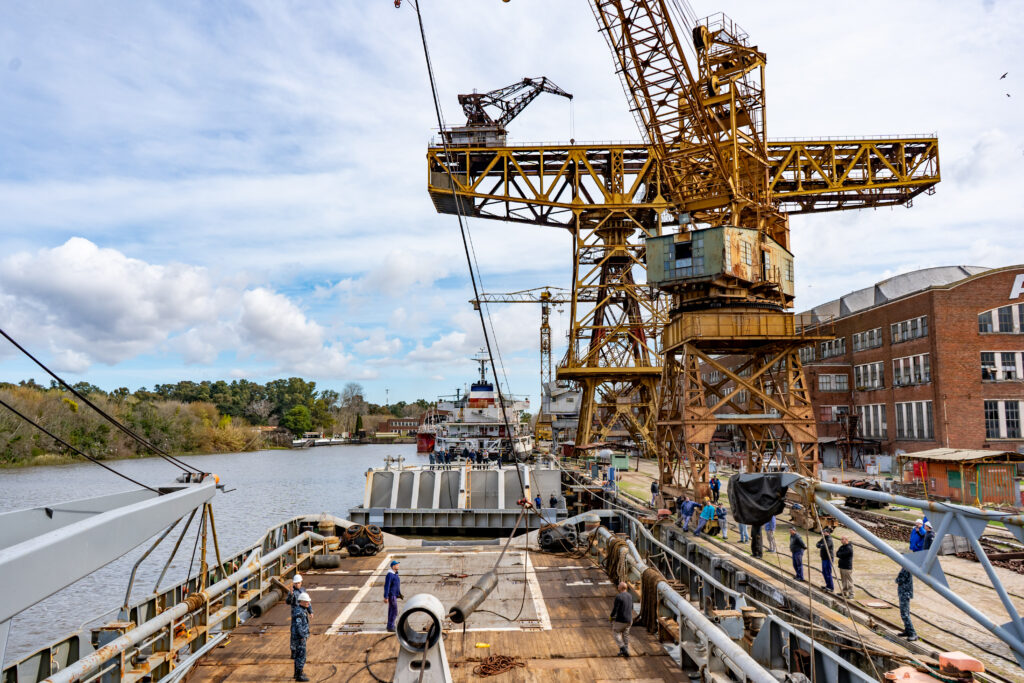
point(297, 420)
point(359, 424)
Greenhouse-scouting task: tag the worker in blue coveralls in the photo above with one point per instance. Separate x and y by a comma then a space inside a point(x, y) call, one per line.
point(686, 512)
point(300, 632)
point(392, 594)
point(917, 536)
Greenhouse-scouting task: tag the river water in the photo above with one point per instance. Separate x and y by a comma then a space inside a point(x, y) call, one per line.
point(271, 486)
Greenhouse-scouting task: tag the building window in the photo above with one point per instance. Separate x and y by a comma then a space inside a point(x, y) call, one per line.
point(869, 376)
point(746, 253)
point(1002, 366)
point(909, 329)
point(789, 270)
point(869, 339)
point(835, 347)
point(914, 420)
point(834, 382)
point(985, 322)
point(807, 354)
point(741, 397)
point(1002, 419)
point(1005, 319)
point(872, 421)
point(832, 413)
point(911, 370)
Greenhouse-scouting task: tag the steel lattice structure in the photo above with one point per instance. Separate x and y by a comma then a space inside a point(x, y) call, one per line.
point(635, 350)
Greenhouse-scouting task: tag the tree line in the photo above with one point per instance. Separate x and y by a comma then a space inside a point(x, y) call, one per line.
point(185, 417)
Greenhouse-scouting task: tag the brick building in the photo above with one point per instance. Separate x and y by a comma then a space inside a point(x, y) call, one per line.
point(402, 425)
point(924, 359)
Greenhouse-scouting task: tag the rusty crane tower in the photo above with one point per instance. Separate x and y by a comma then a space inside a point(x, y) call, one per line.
point(702, 207)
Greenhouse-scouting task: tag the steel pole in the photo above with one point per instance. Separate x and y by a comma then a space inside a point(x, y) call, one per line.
point(754, 672)
point(1012, 641)
point(933, 506)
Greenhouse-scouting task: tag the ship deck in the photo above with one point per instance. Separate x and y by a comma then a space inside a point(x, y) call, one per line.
point(549, 611)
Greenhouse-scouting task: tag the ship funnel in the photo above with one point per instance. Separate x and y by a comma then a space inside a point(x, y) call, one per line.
point(468, 603)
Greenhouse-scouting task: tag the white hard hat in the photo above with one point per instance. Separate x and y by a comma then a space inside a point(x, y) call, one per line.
point(297, 578)
point(304, 597)
point(918, 521)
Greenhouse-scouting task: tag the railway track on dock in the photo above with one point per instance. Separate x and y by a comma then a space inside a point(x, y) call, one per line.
point(895, 529)
point(880, 625)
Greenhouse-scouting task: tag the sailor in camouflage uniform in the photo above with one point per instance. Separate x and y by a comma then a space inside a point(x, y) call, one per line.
point(905, 591)
point(300, 632)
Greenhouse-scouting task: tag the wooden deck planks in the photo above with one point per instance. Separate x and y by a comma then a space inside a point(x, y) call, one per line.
point(578, 647)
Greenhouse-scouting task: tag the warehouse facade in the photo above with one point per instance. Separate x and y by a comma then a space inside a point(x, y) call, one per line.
point(925, 359)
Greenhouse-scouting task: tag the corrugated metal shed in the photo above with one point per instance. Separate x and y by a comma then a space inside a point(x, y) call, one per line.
point(959, 454)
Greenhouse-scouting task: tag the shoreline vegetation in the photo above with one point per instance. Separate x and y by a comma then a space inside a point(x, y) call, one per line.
point(187, 418)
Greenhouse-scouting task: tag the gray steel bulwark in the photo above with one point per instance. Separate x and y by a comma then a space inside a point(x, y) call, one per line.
point(41, 565)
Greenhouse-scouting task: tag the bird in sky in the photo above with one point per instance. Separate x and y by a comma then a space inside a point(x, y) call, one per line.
point(1004, 75)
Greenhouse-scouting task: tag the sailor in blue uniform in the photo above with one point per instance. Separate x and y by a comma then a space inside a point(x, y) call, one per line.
point(392, 593)
point(300, 632)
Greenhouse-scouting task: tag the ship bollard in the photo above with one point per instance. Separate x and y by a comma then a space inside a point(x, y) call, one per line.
point(468, 603)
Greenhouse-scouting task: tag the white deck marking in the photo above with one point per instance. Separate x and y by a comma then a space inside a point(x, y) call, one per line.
point(542, 618)
point(358, 597)
point(538, 597)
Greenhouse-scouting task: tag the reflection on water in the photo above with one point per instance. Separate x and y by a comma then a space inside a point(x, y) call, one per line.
point(271, 486)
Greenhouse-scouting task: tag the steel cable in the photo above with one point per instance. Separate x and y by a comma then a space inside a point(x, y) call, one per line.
point(71, 448)
point(144, 442)
point(463, 230)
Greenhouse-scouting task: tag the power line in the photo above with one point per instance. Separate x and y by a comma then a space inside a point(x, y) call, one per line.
point(159, 451)
point(71, 448)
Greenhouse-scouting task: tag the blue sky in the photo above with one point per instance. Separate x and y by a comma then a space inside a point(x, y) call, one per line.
point(224, 189)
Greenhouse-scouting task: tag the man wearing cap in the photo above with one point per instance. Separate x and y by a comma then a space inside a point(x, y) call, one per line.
point(796, 549)
point(300, 632)
point(826, 552)
point(917, 535)
point(844, 558)
point(929, 535)
point(392, 594)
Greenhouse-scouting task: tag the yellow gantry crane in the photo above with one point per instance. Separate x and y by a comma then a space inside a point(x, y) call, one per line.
point(702, 209)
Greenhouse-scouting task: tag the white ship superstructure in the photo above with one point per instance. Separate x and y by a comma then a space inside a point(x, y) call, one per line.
point(475, 421)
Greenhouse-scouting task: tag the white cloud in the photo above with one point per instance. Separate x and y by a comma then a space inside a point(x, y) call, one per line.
point(95, 304)
point(274, 147)
point(86, 305)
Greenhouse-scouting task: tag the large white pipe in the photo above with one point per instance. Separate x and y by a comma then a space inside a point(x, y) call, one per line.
point(251, 566)
point(754, 672)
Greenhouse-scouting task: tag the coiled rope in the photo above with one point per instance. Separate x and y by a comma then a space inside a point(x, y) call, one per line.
point(615, 562)
point(496, 664)
point(649, 581)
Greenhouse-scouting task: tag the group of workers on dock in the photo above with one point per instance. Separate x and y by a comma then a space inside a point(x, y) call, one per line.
point(452, 456)
point(710, 517)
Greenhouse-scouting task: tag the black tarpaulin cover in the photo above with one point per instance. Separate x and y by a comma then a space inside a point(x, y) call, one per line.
point(756, 498)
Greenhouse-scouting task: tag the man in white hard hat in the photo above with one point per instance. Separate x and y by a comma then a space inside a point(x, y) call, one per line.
point(293, 595)
point(300, 632)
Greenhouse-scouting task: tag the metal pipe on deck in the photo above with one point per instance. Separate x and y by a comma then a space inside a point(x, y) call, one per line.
point(473, 598)
point(252, 565)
